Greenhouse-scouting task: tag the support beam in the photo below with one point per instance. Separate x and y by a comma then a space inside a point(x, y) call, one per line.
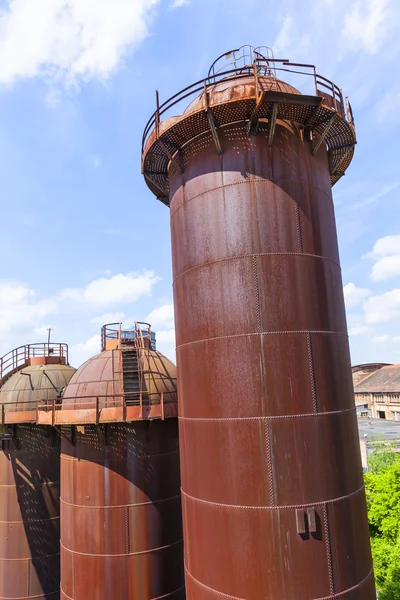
point(324, 134)
point(252, 127)
point(170, 156)
point(272, 125)
point(214, 130)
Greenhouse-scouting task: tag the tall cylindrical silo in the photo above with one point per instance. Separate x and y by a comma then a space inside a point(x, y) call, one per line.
point(272, 489)
point(33, 377)
point(121, 523)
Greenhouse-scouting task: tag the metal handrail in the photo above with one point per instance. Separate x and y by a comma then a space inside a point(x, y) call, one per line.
point(18, 357)
point(203, 85)
point(114, 331)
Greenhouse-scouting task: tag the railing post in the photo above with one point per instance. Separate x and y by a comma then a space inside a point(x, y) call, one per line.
point(157, 116)
point(97, 410)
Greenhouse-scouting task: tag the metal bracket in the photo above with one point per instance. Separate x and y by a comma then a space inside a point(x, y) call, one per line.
point(272, 125)
point(324, 134)
point(71, 439)
point(175, 161)
point(211, 122)
point(102, 434)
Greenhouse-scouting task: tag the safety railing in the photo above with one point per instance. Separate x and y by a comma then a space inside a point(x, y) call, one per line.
point(137, 334)
point(19, 357)
point(320, 86)
point(73, 407)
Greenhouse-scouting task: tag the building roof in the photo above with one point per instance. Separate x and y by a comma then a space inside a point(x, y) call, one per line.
point(356, 368)
point(386, 379)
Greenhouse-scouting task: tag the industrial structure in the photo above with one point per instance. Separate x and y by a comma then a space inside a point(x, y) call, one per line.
point(32, 378)
point(380, 392)
point(360, 372)
point(121, 523)
point(272, 489)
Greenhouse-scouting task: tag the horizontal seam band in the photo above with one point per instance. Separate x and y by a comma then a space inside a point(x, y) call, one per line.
point(121, 505)
point(242, 256)
point(250, 182)
point(241, 335)
point(272, 418)
point(272, 508)
point(158, 597)
point(122, 555)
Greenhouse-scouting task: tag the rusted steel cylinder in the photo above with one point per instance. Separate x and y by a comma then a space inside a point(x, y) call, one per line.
point(272, 488)
point(121, 522)
point(30, 487)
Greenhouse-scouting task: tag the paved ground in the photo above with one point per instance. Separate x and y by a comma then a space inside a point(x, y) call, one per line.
point(379, 429)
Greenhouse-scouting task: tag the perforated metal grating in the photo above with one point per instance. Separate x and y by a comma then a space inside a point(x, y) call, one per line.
point(302, 110)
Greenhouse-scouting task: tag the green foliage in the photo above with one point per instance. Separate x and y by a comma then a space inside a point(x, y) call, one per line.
point(382, 486)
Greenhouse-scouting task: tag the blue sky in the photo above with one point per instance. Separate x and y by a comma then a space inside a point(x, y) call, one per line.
point(83, 241)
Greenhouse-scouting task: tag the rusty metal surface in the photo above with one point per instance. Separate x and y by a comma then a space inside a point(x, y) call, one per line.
point(30, 487)
point(33, 383)
point(272, 489)
point(30, 515)
point(121, 524)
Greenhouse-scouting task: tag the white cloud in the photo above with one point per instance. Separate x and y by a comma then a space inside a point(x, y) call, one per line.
point(357, 330)
point(354, 295)
point(396, 339)
point(383, 308)
point(380, 339)
point(69, 40)
point(179, 3)
point(285, 35)
point(385, 268)
point(117, 289)
point(116, 317)
point(166, 343)
point(19, 308)
point(366, 24)
point(79, 353)
point(162, 316)
point(385, 246)
point(386, 253)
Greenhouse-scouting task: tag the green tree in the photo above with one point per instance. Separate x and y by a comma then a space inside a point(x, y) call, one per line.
point(382, 486)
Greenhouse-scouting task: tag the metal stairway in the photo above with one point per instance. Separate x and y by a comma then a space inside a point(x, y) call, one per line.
point(130, 376)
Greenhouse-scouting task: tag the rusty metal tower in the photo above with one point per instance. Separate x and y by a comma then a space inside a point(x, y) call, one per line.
point(272, 489)
point(121, 524)
point(32, 378)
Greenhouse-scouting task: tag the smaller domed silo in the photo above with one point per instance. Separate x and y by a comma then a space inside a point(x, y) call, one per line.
point(32, 378)
point(121, 524)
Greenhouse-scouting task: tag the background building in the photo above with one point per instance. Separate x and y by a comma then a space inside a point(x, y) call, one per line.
point(381, 391)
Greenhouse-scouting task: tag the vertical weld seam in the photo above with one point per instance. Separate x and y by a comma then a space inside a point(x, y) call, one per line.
point(257, 293)
point(186, 539)
point(73, 574)
point(267, 436)
point(298, 228)
point(312, 372)
point(127, 536)
point(328, 549)
point(28, 579)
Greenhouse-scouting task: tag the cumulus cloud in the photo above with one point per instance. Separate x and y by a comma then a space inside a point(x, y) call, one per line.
point(69, 40)
point(179, 3)
point(162, 316)
point(354, 295)
point(117, 289)
point(79, 353)
point(366, 24)
point(20, 309)
point(380, 339)
point(115, 317)
point(383, 308)
point(357, 330)
point(386, 254)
